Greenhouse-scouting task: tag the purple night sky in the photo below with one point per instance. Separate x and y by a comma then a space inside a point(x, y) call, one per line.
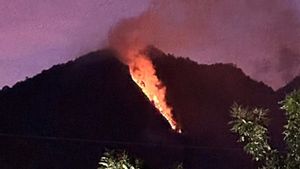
point(260, 36)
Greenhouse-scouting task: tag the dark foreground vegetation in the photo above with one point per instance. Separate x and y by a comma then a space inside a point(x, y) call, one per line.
point(251, 126)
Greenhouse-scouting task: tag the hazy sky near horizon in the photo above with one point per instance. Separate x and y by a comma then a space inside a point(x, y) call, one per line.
point(260, 36)
point(35, 34)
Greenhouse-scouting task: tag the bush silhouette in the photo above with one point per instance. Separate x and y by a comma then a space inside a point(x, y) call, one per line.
point(251, 126)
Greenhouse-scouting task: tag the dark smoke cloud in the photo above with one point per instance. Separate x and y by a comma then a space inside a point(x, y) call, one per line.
point(260, 36)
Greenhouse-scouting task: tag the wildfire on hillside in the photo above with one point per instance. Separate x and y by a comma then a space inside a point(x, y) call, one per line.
point(144, 75)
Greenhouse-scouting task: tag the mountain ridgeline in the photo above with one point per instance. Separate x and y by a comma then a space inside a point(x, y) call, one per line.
point(66, 116)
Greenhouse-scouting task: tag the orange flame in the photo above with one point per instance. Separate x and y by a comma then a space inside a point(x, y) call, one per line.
point(144, 75)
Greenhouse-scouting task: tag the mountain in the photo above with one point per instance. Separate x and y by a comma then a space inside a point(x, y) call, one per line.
point(91, 98)
point(293, 85)
point(66, 116)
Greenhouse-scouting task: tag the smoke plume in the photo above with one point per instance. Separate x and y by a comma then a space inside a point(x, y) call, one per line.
point(260, 36)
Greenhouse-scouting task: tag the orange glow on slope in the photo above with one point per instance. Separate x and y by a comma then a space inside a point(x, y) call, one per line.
point(144, 75)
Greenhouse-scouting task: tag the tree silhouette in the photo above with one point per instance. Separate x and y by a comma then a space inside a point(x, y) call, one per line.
point(251, 126)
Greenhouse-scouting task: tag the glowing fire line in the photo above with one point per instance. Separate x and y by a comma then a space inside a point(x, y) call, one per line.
point(144, 75)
